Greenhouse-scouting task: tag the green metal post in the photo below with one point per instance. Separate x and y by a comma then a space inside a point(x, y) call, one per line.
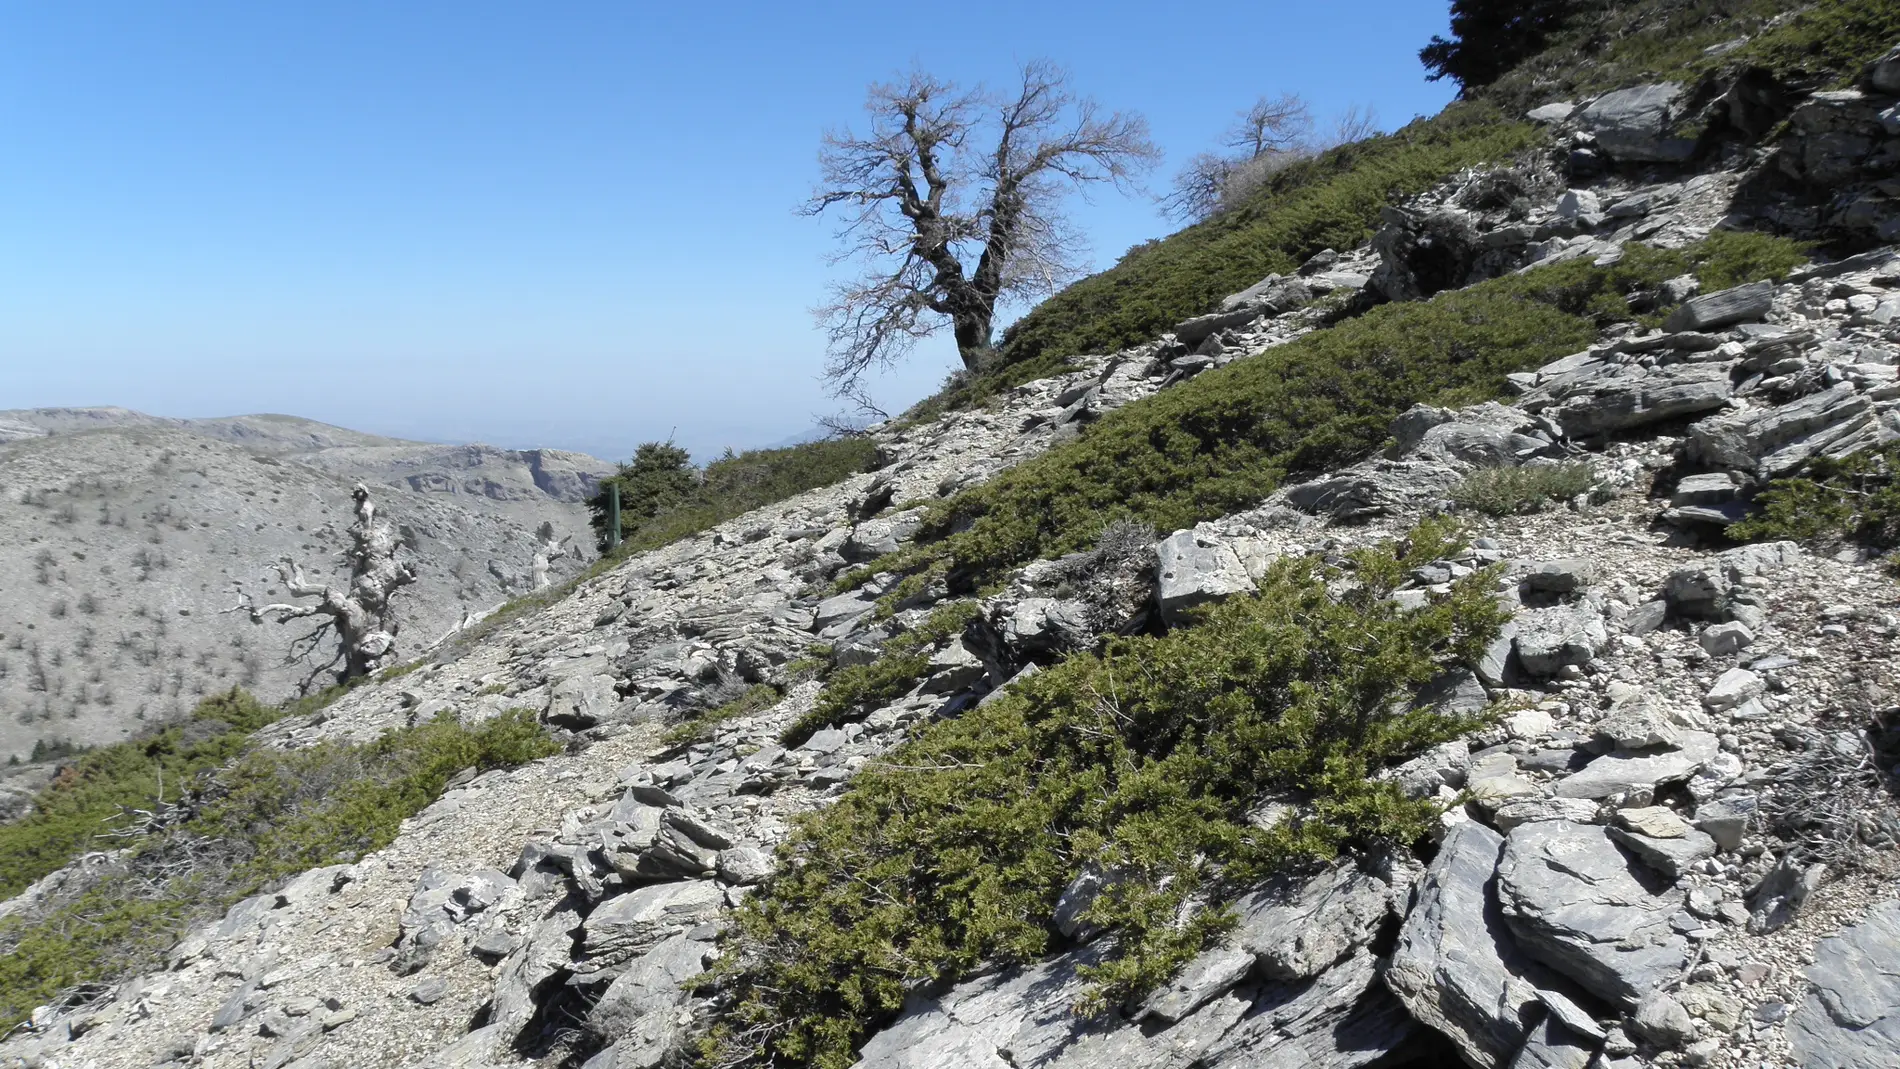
point(613, 515)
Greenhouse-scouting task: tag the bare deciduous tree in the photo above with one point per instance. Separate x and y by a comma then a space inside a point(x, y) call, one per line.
point(952, 200)
point(359, 615)
point(1264, 139)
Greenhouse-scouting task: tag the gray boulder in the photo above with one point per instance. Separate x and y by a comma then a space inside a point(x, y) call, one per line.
point(1671, 857)
point(1643, 770)
point(1772, 442)
point(582, 701)
point(1552, 1046)
point(1638, 124)
point(1193, 570)
point(1713, 311)
point(1550, 639)
point(638, 1010)
point(541, 959)
point(1634, 396)
point(627, 926)
point(1295, 930)
point(1456, 967)
point(1574, 903)
point(1851, 1019)
point(835, 615)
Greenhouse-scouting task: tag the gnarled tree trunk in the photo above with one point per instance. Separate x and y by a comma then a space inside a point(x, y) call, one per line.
point(360, 615)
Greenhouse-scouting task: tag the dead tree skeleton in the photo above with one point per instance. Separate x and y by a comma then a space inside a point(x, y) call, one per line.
point(359, 615)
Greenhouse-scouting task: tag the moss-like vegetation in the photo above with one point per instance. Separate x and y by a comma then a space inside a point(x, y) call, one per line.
point(269, 815)
point(851, 693)
point(1226, 439)
point(1330, 201)
point(949, 855)
point(1856, 499)
point(1515, 491)
point(1729, 258)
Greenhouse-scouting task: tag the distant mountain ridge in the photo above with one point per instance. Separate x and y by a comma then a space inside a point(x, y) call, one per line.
point(117, 550)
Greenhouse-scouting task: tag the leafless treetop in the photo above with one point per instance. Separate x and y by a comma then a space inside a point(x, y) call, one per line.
point(951, 199)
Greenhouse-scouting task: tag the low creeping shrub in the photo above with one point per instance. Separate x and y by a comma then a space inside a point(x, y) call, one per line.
point(1330, 201)
point(1855, 499)
point(95, 794)
point(948, 855)
point(1516, 491)
point(700, 725)
point(1229, 437)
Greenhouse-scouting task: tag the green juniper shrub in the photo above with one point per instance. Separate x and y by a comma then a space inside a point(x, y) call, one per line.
point(1515, 491)
point(1229, 437)
point(853, 692)
point(1854, 499)
point(94, 794)
point(266, 816)
point(1830, 39)
point(659, 477)
point(684, 502)
point(948, 855)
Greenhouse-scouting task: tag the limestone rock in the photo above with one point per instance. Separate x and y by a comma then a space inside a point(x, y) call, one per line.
point(1635, 396)
point(1637, 124)
point(1294, 930)
point(1456, 967)
point(637, 1010)
point(1574, 903)
point(1621, 772)
point(1550, 639)
point(1194, 569)
point(1851, 1019)
point(1712, 311)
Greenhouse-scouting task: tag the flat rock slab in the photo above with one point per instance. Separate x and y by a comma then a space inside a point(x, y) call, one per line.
point(1624, 771)
point(1456, 967)
point(1341, 1019)
point(1713, 311)
point(1578, 904)
point(1851, 1020)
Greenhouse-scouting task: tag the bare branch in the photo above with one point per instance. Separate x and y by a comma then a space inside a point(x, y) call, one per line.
point(359, 615)
point(946, 229)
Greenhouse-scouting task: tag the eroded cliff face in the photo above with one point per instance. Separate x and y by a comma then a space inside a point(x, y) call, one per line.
point(1674, 845)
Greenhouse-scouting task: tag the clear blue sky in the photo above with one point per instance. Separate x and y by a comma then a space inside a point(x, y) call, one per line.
point(534, 224)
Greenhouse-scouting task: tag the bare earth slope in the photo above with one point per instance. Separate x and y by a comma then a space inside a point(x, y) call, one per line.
point(121, 536)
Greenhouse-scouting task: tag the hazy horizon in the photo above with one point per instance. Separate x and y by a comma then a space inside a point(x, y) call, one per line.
point(567, 229)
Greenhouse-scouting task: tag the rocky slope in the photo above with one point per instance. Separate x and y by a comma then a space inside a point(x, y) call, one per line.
point(121, 535)
point(1675, 846)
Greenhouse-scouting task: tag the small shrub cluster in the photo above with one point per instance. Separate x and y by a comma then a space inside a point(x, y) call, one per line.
point(948, 855)
point(852, 692)
point(1855, 499)
point(1516, 491)
point(266, 816)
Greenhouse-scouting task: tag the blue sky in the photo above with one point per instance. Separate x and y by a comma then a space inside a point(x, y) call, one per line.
point(566, 225)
